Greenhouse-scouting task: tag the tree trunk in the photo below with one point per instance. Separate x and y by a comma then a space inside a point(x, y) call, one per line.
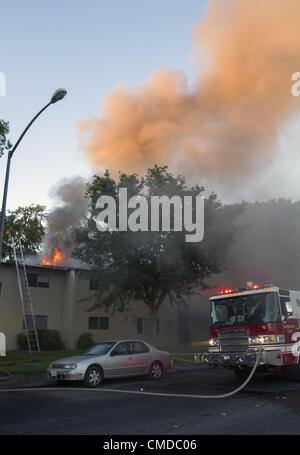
point(153, 322)
point(154, 308)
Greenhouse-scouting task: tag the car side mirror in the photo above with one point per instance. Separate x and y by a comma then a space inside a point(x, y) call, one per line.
point(289, 308)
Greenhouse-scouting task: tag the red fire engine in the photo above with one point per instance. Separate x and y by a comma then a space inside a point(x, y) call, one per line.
point(251, 319)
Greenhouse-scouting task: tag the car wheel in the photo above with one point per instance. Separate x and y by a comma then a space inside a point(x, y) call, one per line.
point(155, 371)
point(93, 376)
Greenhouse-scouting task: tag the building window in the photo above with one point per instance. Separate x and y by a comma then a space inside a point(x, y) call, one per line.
point(98, 323)
point(41, 322)
point(37, 281)
point(94, 285)
point(43, 281)
point(93, 323)
point(143, 326)
point(32, 279)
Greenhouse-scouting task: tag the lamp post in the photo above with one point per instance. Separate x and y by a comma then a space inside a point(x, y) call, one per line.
point(57, 96)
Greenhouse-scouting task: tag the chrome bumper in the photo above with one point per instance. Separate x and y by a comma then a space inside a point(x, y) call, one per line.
point(63, 375)
point(268, 357)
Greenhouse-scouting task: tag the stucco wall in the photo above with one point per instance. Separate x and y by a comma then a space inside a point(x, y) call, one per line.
point(67, 302)
point(123, 325)
point(45, 301)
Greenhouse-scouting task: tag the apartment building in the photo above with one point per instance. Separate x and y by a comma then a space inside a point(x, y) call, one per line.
point(62, 299)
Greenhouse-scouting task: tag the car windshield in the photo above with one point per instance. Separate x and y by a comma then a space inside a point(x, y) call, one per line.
point(245, 309)
point(100, 349)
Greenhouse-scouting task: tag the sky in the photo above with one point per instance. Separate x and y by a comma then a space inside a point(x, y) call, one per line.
point(88, 47)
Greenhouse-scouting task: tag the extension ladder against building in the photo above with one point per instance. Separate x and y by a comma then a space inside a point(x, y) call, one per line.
point(25, 297)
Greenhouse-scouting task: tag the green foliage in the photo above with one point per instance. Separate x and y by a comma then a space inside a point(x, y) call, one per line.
point(19, 362)
point(4, 142)
point(49, 340)
point(22, 341)
point(26, 223)
point(85, 341)
point(149, 266)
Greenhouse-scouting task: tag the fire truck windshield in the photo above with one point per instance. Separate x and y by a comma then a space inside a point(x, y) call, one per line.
point(245, 310)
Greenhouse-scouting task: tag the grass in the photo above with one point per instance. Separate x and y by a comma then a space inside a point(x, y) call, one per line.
point(40, 362)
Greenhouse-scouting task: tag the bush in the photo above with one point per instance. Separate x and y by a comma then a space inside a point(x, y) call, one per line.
point(49, 340)
point(85, 341)
point(22, 341)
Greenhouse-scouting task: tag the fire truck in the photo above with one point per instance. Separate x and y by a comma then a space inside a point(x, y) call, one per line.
point(245, 321)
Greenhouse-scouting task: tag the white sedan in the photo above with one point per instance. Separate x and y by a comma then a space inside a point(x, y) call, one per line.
point(112, 359)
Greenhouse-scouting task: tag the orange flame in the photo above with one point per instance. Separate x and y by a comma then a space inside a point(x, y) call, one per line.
point(56, 258)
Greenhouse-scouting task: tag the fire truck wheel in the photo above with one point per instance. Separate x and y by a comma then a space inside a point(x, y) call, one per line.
point(242, 372)
point(295, 370)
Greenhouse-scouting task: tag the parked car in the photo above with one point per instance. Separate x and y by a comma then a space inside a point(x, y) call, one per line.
point(112, 359)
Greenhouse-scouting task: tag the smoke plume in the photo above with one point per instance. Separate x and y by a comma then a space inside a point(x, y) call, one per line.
point(266, 252)
point(268, 249)
point(245, 53)
point(73, 206)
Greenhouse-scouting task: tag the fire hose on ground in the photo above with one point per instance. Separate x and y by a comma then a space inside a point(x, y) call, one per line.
point(156, 394)
point(7, 375)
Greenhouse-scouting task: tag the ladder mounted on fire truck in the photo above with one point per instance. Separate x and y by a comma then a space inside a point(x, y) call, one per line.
point(25, 296)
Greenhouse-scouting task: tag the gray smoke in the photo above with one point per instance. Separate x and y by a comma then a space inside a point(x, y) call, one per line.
point(267, 251)
point(72, 208)
point(268, 247)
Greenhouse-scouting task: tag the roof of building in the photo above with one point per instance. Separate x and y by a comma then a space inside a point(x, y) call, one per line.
point(82, 268)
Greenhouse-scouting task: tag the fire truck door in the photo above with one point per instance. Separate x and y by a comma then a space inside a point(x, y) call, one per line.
point(290, 325)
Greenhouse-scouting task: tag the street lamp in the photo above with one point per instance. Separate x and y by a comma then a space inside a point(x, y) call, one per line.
point(57, 96)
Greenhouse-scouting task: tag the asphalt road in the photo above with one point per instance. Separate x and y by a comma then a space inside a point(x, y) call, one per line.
point(269, 405)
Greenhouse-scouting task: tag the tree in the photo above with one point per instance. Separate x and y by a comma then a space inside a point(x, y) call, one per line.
point(27, 224)
point(4, 142)
point(150, 266)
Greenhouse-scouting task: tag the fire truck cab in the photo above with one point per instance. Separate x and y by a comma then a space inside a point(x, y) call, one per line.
point(251, 319)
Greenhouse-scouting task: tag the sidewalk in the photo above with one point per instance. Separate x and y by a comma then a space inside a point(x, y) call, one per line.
point(24, 380)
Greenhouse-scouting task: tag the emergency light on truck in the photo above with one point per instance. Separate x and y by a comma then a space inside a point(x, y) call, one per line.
point(250, 286)
point(225, 291)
